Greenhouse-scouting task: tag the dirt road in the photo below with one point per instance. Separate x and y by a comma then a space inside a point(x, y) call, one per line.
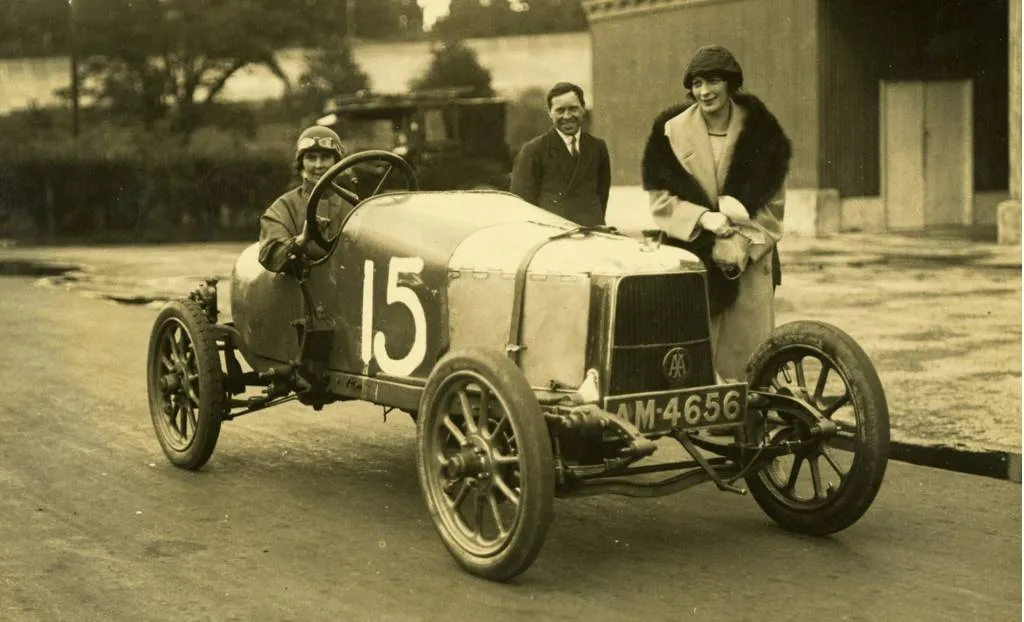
point(318, 516)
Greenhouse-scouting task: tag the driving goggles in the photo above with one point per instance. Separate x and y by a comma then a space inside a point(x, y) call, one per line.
point(323, 142)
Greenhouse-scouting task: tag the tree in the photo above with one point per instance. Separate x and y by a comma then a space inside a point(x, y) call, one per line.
point(476, 18)
point(387, 19)
point(332, 71)
point(539, 16)
point(172, 58)
point(33, 27)
point(454, 65)
point(491, 18)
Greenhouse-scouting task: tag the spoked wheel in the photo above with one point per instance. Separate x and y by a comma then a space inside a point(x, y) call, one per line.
point(828, 482)
point(485, 463)
point(186, 384)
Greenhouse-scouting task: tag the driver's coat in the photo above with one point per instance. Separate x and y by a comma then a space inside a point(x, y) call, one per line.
point(284, 219)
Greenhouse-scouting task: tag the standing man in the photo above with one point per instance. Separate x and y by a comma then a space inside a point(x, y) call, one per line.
point(565, 170)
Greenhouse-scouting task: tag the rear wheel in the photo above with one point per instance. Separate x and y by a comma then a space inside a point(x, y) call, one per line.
point(187, 399)
point(828, 484)
point(485, 463)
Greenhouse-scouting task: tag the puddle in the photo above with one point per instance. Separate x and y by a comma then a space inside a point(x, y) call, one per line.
point(133, 299)
point(932, 261)
point(26, 267)
point(57, 274)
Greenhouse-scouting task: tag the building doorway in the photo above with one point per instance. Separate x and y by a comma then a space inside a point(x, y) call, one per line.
point(927, 162)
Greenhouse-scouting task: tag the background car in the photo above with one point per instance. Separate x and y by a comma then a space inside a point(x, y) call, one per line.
point(451, 140)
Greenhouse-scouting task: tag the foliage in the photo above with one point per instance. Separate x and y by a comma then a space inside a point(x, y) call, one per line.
point(489, 18)
point(142, 199)
point(527, 117)
point(386, 19)
point(33, 27)
point(332, 71)
point(455, 65)
point(41, 27)
point(169, 59)
point(117, 183)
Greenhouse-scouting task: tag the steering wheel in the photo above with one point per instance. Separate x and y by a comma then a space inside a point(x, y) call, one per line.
point(326, 182)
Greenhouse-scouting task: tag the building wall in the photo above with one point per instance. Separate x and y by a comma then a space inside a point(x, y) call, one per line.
point(1015, 99)
point(850, 141)
point(816, 63)
point(640, 54)
point(867, 41)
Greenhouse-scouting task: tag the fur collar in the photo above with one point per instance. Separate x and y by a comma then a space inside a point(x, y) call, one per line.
point(758, 169)
point(759, 164)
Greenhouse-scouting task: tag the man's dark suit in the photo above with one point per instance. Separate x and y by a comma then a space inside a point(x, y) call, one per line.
point(547, 175)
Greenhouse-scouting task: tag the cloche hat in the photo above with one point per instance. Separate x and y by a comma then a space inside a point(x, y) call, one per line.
point(713, 59)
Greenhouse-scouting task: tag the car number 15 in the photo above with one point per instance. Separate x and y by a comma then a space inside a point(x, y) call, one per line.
point(374, 345)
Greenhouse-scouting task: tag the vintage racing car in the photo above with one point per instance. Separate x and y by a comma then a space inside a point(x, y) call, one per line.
point(538, 358)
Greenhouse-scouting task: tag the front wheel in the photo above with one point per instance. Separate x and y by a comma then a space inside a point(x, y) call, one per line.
point(485, 463)
point(827, 484)
point(187, 399)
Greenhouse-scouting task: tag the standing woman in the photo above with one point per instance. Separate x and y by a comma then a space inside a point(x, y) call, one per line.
point(715, 170)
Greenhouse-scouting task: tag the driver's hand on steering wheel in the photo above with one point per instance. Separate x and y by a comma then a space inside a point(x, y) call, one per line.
point(300, 241)
point(305, 246)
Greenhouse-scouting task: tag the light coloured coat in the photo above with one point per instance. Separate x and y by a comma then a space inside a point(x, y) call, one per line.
point(738, 329)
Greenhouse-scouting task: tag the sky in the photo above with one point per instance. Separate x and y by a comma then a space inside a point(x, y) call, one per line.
point(433, 9)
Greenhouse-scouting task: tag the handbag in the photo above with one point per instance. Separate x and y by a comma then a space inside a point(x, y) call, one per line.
point(731, 254)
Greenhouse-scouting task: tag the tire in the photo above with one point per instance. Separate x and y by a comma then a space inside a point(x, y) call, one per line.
point(503, 470)
point(187, 399)
point(823, 365)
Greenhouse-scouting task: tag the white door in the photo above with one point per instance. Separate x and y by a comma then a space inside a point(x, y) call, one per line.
point(927, 153)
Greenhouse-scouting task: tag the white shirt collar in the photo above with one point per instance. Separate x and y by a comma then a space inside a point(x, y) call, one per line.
point(565, 138)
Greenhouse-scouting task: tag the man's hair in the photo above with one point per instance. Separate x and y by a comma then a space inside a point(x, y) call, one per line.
point(565, 87)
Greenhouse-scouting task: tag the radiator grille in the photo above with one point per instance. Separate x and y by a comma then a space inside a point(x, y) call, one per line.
point(653, 315)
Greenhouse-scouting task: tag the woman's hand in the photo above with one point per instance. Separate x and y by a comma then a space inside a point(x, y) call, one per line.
point(717, 223)
point(732, 208)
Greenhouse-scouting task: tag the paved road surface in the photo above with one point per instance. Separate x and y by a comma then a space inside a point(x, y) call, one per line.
point(306, 516)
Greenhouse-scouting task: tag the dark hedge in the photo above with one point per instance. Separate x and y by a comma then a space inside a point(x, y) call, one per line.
point(58, 199)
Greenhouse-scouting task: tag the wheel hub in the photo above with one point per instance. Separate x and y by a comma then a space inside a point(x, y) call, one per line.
point(473, 462)
point(171, 382)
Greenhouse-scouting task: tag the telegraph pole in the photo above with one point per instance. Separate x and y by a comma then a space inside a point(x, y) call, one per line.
point(74, 69)
point(350, 19)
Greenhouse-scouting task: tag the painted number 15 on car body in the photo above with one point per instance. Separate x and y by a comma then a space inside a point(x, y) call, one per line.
point(374, 345)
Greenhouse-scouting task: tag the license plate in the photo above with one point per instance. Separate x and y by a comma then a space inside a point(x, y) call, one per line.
point(719, 405)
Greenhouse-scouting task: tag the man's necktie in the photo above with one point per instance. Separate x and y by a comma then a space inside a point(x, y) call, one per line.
point(572, 147)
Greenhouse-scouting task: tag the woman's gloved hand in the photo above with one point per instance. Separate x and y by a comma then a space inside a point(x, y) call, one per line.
point(716, 222)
